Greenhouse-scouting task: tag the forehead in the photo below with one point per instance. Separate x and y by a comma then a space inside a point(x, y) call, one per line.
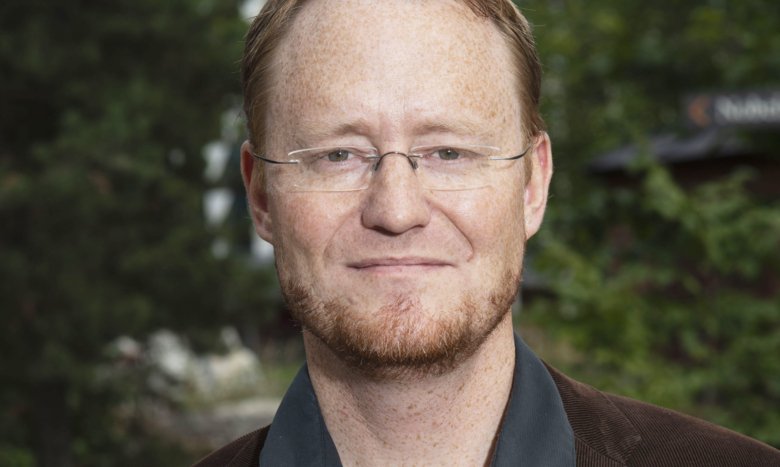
point(379, 66)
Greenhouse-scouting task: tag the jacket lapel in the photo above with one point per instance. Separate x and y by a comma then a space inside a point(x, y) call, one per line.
point(248, 455)
point(603, 435)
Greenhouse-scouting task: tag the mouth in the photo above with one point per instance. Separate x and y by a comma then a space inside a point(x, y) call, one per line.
point(398, 264)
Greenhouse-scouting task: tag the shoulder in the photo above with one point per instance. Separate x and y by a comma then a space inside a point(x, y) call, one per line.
point(242, 452)
point(614, 430)
point(688, 440)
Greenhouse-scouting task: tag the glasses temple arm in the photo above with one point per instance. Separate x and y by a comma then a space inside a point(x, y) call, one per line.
point(271, 161)
point(512, 158)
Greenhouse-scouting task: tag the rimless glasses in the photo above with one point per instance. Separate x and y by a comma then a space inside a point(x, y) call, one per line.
point(350, 168)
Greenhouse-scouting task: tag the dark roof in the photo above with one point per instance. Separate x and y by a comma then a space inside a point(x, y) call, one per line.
point(672, 149)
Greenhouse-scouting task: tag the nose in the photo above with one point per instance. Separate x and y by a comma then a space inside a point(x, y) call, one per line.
point(412, 162)
point(396, 202)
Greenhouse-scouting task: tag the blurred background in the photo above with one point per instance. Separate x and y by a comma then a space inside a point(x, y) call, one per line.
point(141, 319)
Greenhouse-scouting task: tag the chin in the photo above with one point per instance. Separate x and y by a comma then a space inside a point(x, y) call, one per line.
point(403, 336)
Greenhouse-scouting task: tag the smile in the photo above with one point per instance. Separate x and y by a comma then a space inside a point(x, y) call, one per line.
point(390, 265)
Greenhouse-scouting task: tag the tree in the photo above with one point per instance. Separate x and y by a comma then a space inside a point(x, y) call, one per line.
point(666, 293)
point(104, 110)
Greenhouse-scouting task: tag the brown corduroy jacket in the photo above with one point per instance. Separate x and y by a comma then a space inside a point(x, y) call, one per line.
point(609, 431)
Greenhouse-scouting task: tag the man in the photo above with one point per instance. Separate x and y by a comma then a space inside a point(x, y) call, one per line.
point(397, 162)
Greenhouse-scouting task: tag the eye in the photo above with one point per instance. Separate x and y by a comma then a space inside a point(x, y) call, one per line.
point(447, 154)
point(339, 155)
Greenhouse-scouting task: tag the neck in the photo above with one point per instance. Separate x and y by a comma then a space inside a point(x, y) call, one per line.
point(416, 418)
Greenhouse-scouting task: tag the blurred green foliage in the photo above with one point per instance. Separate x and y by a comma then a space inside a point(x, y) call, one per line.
point(104, 112)
point(676, 301)
point(668, 294)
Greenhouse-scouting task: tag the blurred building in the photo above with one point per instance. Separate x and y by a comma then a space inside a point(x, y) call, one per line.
point(726, 132)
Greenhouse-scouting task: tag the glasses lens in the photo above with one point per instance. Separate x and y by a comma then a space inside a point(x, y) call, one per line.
point(441, 167)
point(332, 168)
point(454, 167)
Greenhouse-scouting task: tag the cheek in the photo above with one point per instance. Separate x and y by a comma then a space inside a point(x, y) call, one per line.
point(306, 223)
point(491, 220)
point(503, 236)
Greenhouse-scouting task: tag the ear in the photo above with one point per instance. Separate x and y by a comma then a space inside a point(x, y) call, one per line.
point(538, 184)
point(256, 194)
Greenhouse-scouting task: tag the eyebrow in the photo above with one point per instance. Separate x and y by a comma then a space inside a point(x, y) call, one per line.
point(461, 128)
point(362, 127)
point(307, 133)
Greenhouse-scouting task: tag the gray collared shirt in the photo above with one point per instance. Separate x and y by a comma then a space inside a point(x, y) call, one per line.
point(535, 431)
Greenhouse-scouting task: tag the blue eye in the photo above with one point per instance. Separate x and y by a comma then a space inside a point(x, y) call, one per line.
point(448, 154)
point(339, 155)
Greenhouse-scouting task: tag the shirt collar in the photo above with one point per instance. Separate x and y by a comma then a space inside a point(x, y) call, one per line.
point(535, 430)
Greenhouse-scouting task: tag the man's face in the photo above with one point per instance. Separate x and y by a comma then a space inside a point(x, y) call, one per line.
point(396, 275)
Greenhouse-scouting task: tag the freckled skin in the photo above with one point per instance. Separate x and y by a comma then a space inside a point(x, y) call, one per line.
point(399, 74)
point(391, 77)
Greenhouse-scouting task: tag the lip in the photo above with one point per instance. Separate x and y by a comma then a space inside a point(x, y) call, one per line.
point(398, 264)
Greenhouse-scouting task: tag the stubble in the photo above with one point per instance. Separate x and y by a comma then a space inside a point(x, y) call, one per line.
point(400, 338)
